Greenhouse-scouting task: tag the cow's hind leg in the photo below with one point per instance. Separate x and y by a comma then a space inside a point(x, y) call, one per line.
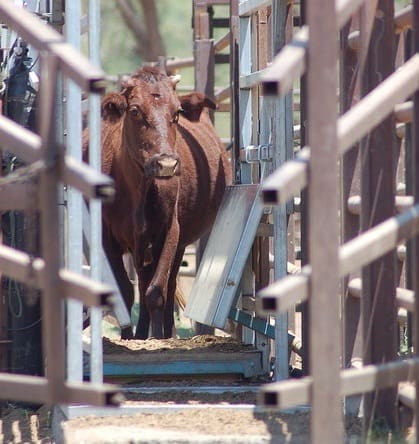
point(114, 254)
point(171, 291)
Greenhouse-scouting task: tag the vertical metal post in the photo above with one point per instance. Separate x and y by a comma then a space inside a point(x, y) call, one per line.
point(305, 318)
point(350, 185)
point(235, 81)
point(326, 416)
point(245, 95)
point(96, 353)
point(282, 120)
point(414, 242)
point(53, 335)
point(74, 202)
point(378, 185)
point(246, 139)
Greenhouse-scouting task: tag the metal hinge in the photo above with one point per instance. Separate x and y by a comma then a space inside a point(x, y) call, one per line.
point(256, 153)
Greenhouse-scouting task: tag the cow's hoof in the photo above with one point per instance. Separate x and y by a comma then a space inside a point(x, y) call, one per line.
point(126, 333)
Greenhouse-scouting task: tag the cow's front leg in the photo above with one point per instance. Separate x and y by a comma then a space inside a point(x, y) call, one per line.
point(156, 293)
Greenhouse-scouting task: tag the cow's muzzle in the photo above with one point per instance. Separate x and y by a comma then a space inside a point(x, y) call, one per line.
point(163, 165)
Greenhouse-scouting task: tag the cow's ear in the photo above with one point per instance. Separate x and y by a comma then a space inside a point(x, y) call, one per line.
point(113, 106)
point(193, 104)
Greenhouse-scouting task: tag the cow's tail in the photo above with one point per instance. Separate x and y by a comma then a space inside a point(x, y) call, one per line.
point(180, 298)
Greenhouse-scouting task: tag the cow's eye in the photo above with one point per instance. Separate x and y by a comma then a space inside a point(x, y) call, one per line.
point(134, 111)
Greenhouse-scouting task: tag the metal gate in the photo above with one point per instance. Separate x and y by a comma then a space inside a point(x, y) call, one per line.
point(346, 169)
point(37, 187)
point(236, 259)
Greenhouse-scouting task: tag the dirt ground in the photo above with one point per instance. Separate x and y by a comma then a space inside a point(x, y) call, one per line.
point(179, 412)
point(209, 424)
point(206, 424)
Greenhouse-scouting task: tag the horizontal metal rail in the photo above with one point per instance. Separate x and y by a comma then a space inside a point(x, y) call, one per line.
point(353, 255)
point(27, 147)
point(20, 141)
point(16, 387)
point(290, 178)
point(24, 268)
point(405, 298)
point(402, 203)
point(286, 394)
point(289, 64)
point(44, 38)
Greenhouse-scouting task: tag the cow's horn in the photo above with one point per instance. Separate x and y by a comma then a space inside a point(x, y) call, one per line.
point(175, 79)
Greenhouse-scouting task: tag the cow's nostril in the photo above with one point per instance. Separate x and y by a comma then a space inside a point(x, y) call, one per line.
point(167, 167)
point(163, 165)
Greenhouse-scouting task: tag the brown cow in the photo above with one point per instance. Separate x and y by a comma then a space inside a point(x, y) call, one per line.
point(170, 171)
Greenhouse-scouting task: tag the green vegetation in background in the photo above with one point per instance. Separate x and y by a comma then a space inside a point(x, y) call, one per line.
point(118, 45)
point(118, 53)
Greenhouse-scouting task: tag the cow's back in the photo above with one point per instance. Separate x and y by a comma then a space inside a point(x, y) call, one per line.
point(205, 171)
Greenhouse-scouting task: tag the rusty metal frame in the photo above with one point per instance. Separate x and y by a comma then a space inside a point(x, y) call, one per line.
point(52, 167)
point(385, 100)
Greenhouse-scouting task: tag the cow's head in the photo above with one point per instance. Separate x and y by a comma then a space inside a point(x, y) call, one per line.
point(149, 107)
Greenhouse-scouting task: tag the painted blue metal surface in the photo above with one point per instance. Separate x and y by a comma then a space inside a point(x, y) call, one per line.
point(245, 364)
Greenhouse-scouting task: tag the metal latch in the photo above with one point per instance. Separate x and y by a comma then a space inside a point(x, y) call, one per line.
point(256, 153)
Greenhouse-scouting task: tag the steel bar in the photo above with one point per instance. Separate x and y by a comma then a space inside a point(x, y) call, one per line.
point(91, 293)
point(350, 184)
point(353, 255)
point(178, 63)
point(286, 394)
point(89, 393)
point(280, 134)
point(412, 187)
point(18, 197)
point(31, 271)
point(20, 266)
point(404, 297)
point(284, 294)
point(53, 328)
point(222, 42)
point(21, 387)
point(404, 112)
point(44, 38)
point(402, 21)
point(352, 126)
point(407, 396)
point(74, 229)
point(378, 104)
point(402, 203)
point(95, 256)
point(287, 66)
point(287, 180)
point(290, 64)
point(326, 424)
point(20, 141)
point(222, 94)
point(90, 182)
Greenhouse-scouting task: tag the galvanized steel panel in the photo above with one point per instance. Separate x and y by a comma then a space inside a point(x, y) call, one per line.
point(218, 277)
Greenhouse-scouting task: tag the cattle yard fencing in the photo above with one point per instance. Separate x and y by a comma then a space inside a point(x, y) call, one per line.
point(355, 171)
point(36, 187)
point(350, 165)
